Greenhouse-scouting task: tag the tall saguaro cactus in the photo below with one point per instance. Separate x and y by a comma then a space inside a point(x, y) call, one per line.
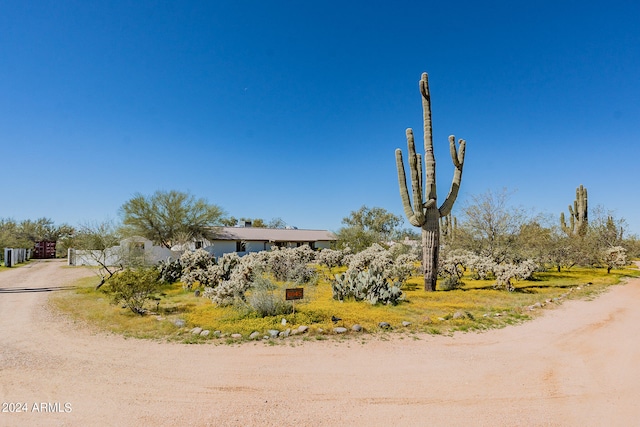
point(423, 210)
point(578, 218)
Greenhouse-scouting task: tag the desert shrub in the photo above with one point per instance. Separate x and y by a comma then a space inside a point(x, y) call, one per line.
point(330, 258)
point(451, 269)
point(195, 266)
point(170, 270)
point(265, 301)
point(234, 276)
point(504, 273)
point(375, 257)
point(291, 264)
point(133, 288)
point(615, 257)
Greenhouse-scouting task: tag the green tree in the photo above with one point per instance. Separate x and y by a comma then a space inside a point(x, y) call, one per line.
point(166, 215)
point(367, 226)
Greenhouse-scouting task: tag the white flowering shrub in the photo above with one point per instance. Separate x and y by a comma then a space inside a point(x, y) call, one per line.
point(504, 273)
point(615, 257)
point(291, 264)
point(170, 270)
point(231, 278)
point(375, 257)
point(451, 268)
point(195, 266)
point(330, 258)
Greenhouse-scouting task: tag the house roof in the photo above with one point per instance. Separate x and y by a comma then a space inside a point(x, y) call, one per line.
point(272, 234)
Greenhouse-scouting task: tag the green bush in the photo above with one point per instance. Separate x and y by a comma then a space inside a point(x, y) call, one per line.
point(133, 288)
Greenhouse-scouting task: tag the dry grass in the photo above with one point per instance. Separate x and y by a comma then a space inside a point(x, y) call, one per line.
point(483, 307)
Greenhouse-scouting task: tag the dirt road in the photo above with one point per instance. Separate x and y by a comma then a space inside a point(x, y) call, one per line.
point(578, 365)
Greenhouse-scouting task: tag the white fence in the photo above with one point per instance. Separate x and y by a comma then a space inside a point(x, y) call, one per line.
point(13, 256)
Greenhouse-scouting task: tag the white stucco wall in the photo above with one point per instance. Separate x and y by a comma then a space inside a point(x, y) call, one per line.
point(116, 255)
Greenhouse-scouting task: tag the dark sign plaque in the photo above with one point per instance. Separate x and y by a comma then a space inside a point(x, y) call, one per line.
point(294, 293)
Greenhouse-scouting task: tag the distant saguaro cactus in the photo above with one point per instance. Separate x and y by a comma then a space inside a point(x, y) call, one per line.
point(424, 211)
point(578, 218)
point(448, 227)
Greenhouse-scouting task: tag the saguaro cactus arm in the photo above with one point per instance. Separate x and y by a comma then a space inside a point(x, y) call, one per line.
point(457, 156)
point(414, 213)
point(429, 157)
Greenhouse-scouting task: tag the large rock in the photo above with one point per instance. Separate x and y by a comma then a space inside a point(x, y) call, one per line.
point(340, 330)
point(254, 335)
point(356, 328)
point(196, 331)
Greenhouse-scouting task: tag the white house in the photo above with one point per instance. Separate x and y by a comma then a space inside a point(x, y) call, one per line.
point(253, 239)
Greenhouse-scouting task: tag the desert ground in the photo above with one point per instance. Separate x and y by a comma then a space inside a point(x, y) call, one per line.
point(576, 365)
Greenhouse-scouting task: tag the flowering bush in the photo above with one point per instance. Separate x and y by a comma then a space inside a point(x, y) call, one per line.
point(195, 266)
point(615, 257)
point(170, 270)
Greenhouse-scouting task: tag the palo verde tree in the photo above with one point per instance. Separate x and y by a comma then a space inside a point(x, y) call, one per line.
point(166, 217)
point(423, 211)
point(367, 226)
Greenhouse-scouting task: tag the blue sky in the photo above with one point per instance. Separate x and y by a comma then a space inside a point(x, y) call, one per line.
point(294, 109)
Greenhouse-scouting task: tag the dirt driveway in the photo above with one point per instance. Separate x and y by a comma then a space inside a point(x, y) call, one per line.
point(578, 365)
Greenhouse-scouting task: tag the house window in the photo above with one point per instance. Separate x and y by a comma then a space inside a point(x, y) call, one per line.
point(198, 244)
point(241, 246)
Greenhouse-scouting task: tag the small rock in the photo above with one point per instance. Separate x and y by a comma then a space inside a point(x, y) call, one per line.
point(179, 323)
point(537, 305)
point(159, 318)
point(405, 323)
point(340, 330)
point(459, 315)
point(283, 321)
point(486, 315)
point(302, 329)
point(196, 293)
point(273, 333)
point(196, 331)
point(285, 333)
point(236, 336)
point(356, 328)
point(384, 325)
point(205, 333)
point(254, 335)
point(217, 334)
